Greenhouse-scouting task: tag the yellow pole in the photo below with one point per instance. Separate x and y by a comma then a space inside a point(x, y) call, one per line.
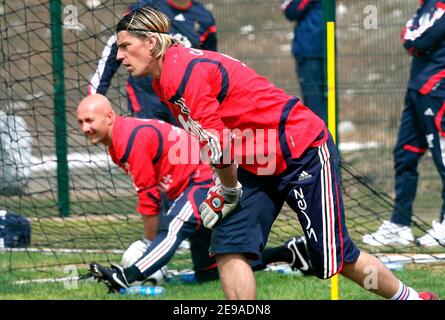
point(332, 112)
point(331, 79)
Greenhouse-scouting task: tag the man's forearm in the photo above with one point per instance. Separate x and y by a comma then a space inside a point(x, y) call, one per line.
point(228, 176)
point(150, 226)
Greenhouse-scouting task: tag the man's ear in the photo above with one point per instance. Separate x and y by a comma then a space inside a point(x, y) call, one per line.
point(110, 117)
point(150, 43)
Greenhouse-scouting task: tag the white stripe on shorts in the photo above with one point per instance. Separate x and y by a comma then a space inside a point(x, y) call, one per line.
point(166, 244)
point(328, 216)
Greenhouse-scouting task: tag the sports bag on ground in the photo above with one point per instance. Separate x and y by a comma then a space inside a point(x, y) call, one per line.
point(15, 230)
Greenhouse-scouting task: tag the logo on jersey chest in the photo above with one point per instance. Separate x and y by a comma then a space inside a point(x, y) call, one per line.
point(165, 182)
point(180, 17)
point(197, 26)
point(189, 125)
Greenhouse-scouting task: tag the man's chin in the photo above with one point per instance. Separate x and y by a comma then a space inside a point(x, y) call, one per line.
point(137, 74)
point(94, 141)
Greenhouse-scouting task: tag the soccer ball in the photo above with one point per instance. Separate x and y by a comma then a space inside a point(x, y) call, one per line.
point(93, 4)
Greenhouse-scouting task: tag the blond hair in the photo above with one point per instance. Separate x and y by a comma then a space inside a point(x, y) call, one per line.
point(148, 22)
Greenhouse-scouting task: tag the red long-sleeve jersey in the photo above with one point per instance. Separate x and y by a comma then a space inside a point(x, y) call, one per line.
point(219, 99)
point(424, 38)
point(159, 157)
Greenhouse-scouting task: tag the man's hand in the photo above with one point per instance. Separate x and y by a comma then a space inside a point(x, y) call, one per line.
point(219, 203)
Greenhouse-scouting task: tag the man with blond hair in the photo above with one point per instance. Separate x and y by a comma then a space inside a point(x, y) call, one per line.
point(288, 156)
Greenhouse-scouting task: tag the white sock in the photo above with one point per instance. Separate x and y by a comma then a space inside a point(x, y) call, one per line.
point(405, 293)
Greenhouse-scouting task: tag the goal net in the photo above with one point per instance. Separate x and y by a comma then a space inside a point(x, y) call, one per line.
point(96, 221)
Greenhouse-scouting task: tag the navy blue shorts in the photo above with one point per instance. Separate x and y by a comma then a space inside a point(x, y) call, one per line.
point(310, 186)
point(245, 230)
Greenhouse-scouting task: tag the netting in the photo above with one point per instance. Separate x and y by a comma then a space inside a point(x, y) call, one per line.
point(372, 73)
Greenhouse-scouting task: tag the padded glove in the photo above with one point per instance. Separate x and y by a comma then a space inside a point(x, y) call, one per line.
point(219, 203)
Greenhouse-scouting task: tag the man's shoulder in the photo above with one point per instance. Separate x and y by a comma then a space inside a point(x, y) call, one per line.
point(201, 13)
point(178, 57)
point(199, 6)
point(127, 127)
point(129, 131)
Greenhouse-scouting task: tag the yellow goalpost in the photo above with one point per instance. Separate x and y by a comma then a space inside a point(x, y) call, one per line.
point(332, 109)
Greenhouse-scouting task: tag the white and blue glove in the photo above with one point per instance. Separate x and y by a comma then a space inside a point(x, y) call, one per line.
point(220, 201)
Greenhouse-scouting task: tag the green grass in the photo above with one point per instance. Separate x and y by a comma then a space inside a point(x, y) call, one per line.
point(108, 223)
point(270, 286)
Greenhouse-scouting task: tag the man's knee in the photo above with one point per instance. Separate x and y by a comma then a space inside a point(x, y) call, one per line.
point(224, 258)
point(406, 160)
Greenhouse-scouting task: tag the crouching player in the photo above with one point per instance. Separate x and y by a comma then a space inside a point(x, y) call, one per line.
point(150, 151)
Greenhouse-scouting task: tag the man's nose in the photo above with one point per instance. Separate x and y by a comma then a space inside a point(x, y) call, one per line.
point(119, 55)
point(85, 127)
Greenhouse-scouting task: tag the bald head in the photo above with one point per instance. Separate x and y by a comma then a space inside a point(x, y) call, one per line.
point(96, 118)
point(96, 102)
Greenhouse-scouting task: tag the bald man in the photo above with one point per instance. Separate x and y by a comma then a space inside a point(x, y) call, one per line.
point(141, 148)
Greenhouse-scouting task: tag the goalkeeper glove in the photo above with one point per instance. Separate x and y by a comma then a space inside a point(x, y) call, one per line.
point(134, 252)
point(219, 203)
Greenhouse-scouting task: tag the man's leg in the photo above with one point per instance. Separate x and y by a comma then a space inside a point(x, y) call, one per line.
point(310, 72)
point(319, 206)
point(431, 111)
point(410, 147)
point(234, 269)
point(174, 226)
point(294, 251)
point(204, 266)
point(370, 273)
point(243, 234)
point(435, 129)
point(312, 185)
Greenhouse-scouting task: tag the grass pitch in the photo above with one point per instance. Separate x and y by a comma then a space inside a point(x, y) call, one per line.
point(271, 285)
